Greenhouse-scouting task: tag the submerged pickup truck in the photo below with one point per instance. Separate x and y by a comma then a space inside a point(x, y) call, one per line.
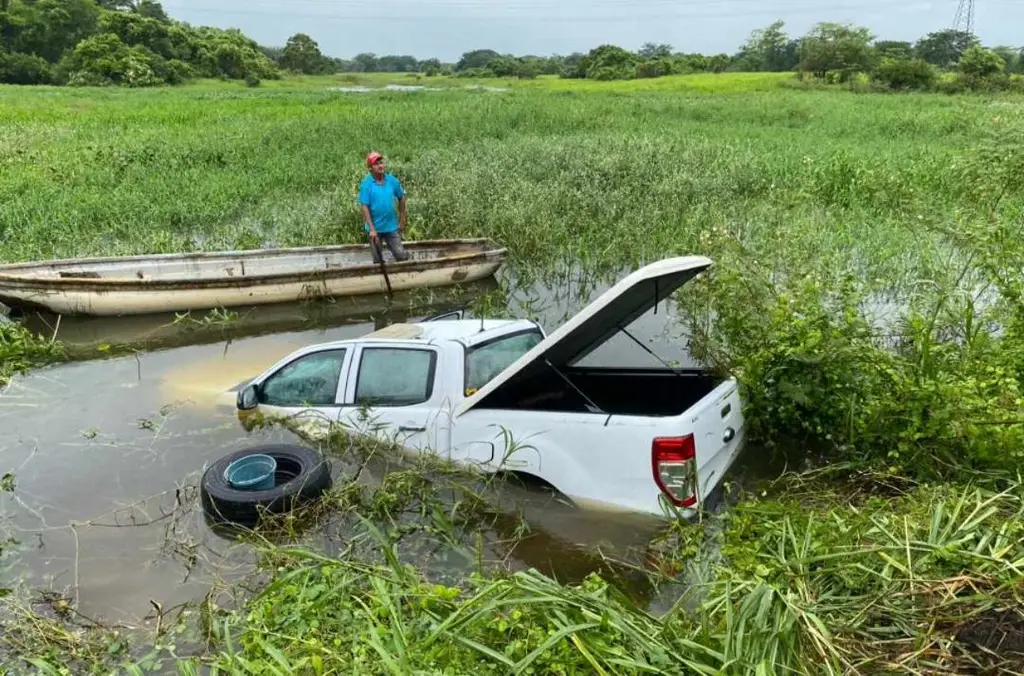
point(503, 396)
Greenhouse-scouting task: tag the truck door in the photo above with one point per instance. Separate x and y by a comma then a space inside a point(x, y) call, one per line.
point(393, 394)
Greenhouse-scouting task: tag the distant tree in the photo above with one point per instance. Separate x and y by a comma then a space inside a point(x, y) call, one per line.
point(152, 10)
point(836, 48)
point(904, 73)
point(609, 62)
point(769, 49)
point(503, 66)
point(24, 69)
point(650, 50)
point(365, 63)
point(302, 54)
point(397, 64)
point(272, 53)
point(117, 5)
point(654, 68)
point(1011, 56)
point(106, 59)
point(572, 66)
point(943, 48)
point(691, 63)
point(478, 58)
point(718, 63)
point(137, 30)
point(539, 65)
point(978, 62)
point(48, 28)
point(430, 67)
point(894, 49)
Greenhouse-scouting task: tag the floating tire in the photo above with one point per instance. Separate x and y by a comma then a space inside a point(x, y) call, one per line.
point(302, 475)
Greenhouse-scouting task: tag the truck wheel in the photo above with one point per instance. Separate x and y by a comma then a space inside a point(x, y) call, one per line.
point(302, 475)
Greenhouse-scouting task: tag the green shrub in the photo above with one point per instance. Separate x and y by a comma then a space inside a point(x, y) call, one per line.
point(24, 69)
point(905, 74)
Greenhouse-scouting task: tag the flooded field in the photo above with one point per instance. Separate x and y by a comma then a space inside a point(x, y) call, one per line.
point(107, 454)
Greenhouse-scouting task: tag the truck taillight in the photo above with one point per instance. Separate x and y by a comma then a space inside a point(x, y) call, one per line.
point(673, 461)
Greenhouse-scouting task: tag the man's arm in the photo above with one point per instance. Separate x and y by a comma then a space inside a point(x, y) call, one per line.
point(364, 202)
point(400, 194)
point(368, 219)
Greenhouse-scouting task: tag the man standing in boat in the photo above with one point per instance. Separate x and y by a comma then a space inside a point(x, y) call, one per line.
point(383, 223)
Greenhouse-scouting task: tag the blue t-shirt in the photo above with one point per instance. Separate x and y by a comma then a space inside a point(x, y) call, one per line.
point(380, 198)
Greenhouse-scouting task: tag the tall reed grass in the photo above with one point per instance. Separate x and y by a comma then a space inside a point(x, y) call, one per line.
point(596, 176)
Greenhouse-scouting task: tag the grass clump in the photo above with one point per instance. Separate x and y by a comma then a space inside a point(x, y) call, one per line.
point(903, 583)
point(926, 579)
point(21, 350)
point(389, 621)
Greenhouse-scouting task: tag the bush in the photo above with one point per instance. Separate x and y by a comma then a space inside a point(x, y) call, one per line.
point(935, 386)
point(962, 83)
point(654, 68)
point(24, 69)
point(980, 63)
point(105, 59)
point(896, 74)
point(178, 72)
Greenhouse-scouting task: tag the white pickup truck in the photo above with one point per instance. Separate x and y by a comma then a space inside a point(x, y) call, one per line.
point(654, 440)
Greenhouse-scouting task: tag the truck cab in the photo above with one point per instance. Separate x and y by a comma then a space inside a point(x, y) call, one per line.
point(500, 395)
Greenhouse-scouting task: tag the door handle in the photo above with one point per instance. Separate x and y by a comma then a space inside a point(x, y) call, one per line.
point(729, 434)
point(411, 428)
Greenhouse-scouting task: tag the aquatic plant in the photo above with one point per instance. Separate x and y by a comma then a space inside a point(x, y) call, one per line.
point(20, 350)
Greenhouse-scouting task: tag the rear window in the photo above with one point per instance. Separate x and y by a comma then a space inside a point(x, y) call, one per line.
point(485, 361)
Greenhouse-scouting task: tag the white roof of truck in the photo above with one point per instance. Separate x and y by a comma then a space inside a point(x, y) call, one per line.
point(466, 331)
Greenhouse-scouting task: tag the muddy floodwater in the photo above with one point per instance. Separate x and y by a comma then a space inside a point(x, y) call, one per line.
point(107, 454)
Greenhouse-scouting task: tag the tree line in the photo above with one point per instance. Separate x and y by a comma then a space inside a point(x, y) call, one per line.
point(135, 43)
point(118, 42)
point(829, 52)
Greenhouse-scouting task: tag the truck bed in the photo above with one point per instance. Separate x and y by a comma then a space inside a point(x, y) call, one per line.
point(633, 391)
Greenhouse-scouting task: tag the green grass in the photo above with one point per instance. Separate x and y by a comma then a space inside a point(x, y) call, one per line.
point(554, 169)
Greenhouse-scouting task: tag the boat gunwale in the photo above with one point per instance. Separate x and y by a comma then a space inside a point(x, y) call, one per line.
point(25, 282)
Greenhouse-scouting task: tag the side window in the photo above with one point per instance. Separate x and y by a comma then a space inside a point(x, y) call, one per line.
point(311, 380)
point(486, 361)
point(395, 376)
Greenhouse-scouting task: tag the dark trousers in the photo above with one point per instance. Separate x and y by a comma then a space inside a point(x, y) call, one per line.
point(393, 241)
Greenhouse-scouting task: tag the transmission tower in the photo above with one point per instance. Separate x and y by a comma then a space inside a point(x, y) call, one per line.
point(964, 21)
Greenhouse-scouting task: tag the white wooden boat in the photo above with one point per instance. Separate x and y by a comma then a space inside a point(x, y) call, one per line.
point(132, 285)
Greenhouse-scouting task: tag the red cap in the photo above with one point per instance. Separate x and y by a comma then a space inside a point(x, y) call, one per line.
point(372, 158)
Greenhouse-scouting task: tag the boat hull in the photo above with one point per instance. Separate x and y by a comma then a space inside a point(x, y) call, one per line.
point(190, 285)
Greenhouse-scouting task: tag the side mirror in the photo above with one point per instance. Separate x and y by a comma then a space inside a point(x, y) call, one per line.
point(247, 398)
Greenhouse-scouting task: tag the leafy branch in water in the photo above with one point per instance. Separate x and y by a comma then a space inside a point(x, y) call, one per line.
point(21, 350)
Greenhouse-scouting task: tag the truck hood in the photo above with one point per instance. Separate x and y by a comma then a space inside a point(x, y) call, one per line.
point(617, 307)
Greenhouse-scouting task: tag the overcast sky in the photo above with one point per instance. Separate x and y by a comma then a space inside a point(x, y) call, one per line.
point(447, 28)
